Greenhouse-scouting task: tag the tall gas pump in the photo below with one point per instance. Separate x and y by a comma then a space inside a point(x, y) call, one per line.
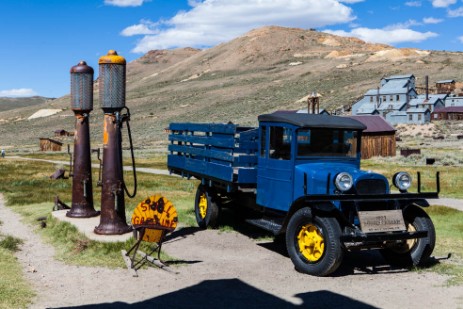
point(82, 105)
point(112, 79)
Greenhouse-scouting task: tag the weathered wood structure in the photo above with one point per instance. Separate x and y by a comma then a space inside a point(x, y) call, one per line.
point(445, 86)
point(48, 144)
point(453, 113)
point(379, 137)
point(63, 133)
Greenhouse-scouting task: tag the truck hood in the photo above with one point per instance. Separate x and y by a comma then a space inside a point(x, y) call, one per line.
point(320, 176)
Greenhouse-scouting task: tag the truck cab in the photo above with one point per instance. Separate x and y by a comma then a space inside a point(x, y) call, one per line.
point(299, 154)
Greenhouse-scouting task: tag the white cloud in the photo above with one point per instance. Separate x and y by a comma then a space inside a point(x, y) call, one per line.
point(432, 20)
point(413, 3)
point(210, 22)
point(20, 92)
point(455, 13)
point(393, 36)
point(405, 25)
point(194, 3)
point(124, 3)
point(351, 1)
point(460, 38)
point(442, 3)
point(143, 28)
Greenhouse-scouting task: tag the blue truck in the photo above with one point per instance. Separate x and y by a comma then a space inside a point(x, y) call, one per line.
point(298, 175)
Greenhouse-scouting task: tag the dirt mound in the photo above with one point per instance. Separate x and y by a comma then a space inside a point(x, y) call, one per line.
point(397, 54)
point(331, 42)
point(343, 54)
point(44, 113)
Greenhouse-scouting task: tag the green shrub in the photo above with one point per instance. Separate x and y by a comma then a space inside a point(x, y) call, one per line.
point(10, 243)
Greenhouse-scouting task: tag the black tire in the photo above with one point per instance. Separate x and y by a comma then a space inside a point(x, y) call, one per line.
point(207, 209)
point(310, 260)
point(414, 252)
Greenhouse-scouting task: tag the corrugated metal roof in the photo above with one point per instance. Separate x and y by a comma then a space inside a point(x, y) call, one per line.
point(417, 110)
point(396, 114)
point(421, 99)
point(396, 83)
point(313, 120)
point(450, 109)
point(432, 96)
point(407, 76)
point(367, 108)
point(392, 87)
point(395, 105)
point(446, 81)
point(374, 123)
point(387, 91)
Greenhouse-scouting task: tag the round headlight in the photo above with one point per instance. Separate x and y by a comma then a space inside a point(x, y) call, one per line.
point(343, 181)
point(402, 181)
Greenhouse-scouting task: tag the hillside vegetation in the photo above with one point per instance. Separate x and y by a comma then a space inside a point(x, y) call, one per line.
point(267, 69)
point(7, 104)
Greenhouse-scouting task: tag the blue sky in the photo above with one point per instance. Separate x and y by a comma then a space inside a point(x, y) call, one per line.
point(42, 39)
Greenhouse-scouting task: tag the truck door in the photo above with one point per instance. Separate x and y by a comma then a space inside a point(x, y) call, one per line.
point(275, 171)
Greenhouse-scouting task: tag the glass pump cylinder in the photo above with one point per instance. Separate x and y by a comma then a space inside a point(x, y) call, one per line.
point(82, 104)
point(82, 87)
point(112, 81)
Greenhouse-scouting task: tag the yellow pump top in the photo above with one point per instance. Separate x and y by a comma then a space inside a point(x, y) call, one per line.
point(112, 58)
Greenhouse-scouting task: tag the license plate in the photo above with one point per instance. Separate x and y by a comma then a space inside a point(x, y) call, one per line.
point(381, 221)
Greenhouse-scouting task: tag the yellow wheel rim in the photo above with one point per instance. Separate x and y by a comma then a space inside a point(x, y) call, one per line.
point(311, 242)
point(411, 242)
point(407, 245)
point(202, 205)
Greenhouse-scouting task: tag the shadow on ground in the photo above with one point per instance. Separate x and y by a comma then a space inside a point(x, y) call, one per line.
point(354, 263)
point(233, 293)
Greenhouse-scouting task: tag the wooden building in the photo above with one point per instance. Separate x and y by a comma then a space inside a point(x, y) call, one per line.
point(379, 137)
point(48, 144)
point(445, 86)
point(448, 113)
point(63, 133)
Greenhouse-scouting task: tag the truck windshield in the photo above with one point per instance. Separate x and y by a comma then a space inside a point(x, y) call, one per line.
point(326, 142)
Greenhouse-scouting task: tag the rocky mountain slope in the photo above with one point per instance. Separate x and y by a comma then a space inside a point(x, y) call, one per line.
point(267, 69)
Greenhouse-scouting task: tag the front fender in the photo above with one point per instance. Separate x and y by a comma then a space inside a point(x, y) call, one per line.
point(317, 208)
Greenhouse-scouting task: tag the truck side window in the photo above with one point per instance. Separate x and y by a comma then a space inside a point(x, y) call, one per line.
point(263, 142)
point(280, 143)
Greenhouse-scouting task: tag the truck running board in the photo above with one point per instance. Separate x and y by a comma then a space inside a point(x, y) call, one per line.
point(268, 224)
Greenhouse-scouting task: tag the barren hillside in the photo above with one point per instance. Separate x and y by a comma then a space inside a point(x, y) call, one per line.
point(13, 103)
point(264, 70)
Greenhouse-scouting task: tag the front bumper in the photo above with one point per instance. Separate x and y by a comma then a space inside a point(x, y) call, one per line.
point(359, 236)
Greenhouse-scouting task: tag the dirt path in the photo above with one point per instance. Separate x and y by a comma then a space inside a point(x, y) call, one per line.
point(223, 269)
point(95, 165)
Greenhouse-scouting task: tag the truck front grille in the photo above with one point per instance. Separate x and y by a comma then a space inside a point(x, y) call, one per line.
point(371, 186)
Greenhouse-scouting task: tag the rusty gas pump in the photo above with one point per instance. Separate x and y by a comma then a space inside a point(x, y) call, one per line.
point(82, 105)
point(112, 100)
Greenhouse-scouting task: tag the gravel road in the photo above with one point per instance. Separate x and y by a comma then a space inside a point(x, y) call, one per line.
point(224, 270)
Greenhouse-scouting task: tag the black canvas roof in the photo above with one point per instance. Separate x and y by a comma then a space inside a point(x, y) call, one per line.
point(313, 120)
